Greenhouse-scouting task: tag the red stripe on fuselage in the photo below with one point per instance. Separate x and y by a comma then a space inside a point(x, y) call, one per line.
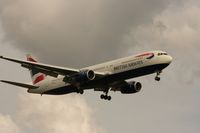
point(145, 54)
point(38, 79)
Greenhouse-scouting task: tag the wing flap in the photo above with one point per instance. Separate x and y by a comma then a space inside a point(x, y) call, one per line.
point(23, 85)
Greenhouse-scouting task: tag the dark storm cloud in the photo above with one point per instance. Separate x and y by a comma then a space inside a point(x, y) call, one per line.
point(64, 31)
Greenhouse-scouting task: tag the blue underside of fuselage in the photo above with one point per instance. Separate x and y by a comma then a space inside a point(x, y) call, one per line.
point(109, 79)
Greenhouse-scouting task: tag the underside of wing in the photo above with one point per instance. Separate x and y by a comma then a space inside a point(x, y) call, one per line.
point(115, 86)
point(23, 85)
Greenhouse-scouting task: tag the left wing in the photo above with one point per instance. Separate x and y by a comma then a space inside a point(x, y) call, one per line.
point(50, 70)
point(28, 86)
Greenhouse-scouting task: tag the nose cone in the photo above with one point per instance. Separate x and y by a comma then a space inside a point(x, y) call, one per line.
point(169, 59)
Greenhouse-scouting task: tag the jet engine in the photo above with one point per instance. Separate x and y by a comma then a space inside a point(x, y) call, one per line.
point(82, 76)
point(86, 75)
point(131, 87)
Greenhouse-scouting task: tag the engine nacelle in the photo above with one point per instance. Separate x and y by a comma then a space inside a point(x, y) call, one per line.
point(82, 76)
point(131, 87)
point(86, 75)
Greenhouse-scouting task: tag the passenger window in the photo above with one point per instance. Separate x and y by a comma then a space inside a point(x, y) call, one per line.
point(162, 54)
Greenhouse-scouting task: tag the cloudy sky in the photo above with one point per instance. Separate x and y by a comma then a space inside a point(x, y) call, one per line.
point(81, 33)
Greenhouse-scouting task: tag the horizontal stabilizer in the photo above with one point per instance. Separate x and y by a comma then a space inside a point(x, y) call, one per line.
point(28, 86)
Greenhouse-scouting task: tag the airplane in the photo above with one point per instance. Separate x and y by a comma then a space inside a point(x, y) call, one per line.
point(105, 77)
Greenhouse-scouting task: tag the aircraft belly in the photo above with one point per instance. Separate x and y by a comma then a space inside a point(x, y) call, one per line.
point(61, 90)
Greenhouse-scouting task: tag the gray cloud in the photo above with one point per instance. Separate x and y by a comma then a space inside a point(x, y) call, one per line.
point(74, 28)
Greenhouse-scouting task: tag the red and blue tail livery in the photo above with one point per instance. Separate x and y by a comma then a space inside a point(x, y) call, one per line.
point(36, 75)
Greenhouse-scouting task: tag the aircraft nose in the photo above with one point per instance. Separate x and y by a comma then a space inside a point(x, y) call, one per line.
point(169, 59)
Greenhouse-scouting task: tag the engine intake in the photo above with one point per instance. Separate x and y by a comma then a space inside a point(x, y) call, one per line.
point(131, 87)
point(87, 75)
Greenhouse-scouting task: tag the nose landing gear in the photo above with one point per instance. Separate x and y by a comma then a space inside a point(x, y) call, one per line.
point(157, 78)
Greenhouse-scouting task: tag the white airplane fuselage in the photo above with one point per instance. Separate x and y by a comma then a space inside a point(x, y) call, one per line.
point(117, 70)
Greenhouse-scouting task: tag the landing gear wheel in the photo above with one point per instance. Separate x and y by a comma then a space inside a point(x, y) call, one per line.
point(109, 98)
point(157, 78)
point(81, 91)
point(102, 96)
point(105, 97)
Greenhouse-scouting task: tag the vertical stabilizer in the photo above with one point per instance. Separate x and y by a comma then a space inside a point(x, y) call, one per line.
point(35, 74)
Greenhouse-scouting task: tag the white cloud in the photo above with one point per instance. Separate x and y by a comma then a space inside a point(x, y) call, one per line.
point(57, 114)
point(46, 114)
point(7, 125)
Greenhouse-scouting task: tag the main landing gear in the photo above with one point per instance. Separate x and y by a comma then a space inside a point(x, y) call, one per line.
point(80, 91)
point(105, 96)
point(157, 78)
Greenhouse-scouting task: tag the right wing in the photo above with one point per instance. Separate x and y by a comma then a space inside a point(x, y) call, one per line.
point(28, 86)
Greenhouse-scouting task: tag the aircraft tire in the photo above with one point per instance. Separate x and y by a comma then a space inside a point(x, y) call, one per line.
point(81, 91)
point(102, 96)
point(157, 78)
point(105, 97)
point(109, 98)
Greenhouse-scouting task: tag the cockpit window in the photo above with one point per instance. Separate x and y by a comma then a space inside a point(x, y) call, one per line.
point(162, 54)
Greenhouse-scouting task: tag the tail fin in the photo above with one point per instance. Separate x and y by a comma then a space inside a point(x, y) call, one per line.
point(35, 74)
